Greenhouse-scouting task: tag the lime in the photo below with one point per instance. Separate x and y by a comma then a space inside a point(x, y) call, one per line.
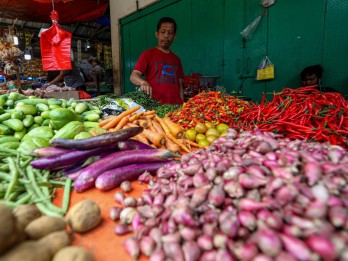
point(211, 138)
point(191, 134)
point(199, 137)
point(203, 143)
point(209, 124)
point(222, 127)
point(212, 131)
point(201, 128)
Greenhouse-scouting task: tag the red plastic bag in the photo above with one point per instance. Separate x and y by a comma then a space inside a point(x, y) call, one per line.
point(84, 95)
point(55, 46)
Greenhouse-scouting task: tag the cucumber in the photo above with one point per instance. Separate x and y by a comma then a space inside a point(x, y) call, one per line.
point(54, 101)
point(5, 116)
point(5, 130)
point(11, 145)
point(27, 109)
point(17, 115)
point(20, 134)
point(39, 120)
point(90, 124)
point(92, 117)
point(42, 107)
point(15, 96)
point(83, 135)
point(8, 139)
point(14, 124)
point(28, 121)
point(81, 107)
point(46, 114)
point(46, 122)
point(54, 106)
point(33, 101)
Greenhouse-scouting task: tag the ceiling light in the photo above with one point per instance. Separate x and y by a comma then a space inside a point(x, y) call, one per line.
point(15, 40)
point(88, 45)
point(27, 56)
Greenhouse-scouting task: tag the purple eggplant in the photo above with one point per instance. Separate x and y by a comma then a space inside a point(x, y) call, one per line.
point(113, 178)
point(97, 141)
point(68, 159)
point(49, 151)
point(89, 174)
point(132, 145)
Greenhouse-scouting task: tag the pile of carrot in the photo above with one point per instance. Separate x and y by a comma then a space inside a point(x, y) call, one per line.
point(157, 132)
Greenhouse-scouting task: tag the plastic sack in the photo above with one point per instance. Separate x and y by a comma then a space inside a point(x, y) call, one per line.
point(265, 71)
point(248, 32)
point(55, 44)
point(267, 3)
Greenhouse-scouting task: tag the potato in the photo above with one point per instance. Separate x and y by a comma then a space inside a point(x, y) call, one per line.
point(55, 241)
point(8, 229)
point(28, 251)
point(38, 250)
point(25, 214)
point(84, 216)
point(43, 226)
point(73, 253)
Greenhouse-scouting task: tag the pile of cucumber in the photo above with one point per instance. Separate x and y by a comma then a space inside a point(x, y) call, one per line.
point(37, 120)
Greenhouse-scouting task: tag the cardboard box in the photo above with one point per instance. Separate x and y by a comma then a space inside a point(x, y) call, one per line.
point(67, 95)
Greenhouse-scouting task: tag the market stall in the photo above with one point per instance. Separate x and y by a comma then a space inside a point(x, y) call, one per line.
point(239, 182)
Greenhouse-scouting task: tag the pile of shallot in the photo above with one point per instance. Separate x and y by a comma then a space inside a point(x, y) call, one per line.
point(249, 196)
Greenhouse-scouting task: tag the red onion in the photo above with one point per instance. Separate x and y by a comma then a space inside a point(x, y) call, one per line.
point(269, 241)
point(191, 251)
point(147, 245)
point(132, 247)
point(200, 195)
point(322, 246)
point(223, 254)
point(233, 189)
point(216, 196)
point(338, 216)
point(244, 251)
point(115, 213)
point(122, 229)
point(174, 251)
point(247, 219)
point(295, 247)
point(119, 197)
point(251, 205)
point(205, 242)
point(251, 182)
point(158, 255)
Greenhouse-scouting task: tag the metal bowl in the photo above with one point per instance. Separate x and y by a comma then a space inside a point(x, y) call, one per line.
point(208, 81)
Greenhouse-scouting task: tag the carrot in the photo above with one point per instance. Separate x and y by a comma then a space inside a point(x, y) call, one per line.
point(173, 139)
point(157, 127)
point(142, 123)
point(163, 124)
point(193, 144)
point(174, 128)
point(172, 146)
point(136, 116)
point(93, 132)
point(157, 139)
point(115, 120)
point(121, 124)
point(149, 112)
point(104, 122)
point(142, 138)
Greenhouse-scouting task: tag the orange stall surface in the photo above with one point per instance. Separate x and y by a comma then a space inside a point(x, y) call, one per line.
point(102, 241)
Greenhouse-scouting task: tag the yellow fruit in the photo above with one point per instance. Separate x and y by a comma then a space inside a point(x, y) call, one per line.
point(191, 134)
point(201, 128)
point(222, 127)
point(203, 143)
point(212, 131)
point(223, 133)
point(211, 138)
point(209, 124)
point(199, 137)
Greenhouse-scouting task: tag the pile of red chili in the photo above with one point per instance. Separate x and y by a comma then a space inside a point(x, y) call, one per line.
point(304, 113)
point(212, 106)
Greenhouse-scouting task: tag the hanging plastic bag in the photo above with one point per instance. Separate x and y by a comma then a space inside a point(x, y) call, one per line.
point(248, 32)
point(267, 3)
point(55, 44)
point(265, 71)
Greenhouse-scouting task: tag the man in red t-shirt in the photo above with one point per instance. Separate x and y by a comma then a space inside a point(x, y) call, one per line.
point(161, 67)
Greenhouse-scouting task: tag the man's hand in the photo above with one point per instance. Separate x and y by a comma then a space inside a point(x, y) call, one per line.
point(146, 87)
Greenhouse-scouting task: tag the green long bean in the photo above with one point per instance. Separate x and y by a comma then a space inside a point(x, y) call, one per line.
point(14, 178)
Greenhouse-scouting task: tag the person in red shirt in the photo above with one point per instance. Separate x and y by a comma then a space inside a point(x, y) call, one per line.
point(159, 71)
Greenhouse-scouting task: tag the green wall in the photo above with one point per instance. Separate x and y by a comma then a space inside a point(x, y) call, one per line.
point(293, 34)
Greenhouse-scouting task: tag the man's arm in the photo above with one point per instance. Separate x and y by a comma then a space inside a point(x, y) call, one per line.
point(59, 78)
point(137, 80)
point(182, 89)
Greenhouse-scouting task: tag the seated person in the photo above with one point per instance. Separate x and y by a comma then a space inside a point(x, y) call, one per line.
point(312, 75)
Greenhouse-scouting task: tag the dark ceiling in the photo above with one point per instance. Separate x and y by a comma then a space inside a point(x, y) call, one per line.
point(85, 19)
